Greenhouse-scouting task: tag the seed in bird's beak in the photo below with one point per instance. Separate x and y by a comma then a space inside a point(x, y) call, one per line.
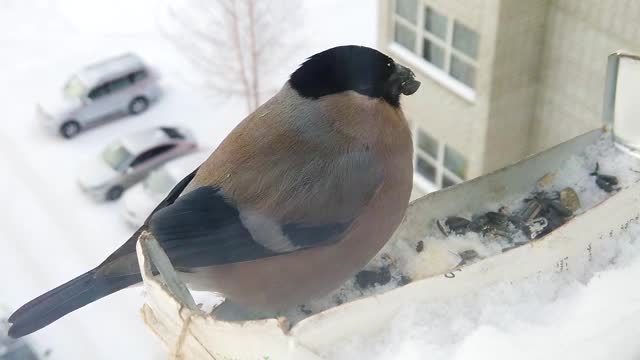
point(406, 80)
point(410, 86)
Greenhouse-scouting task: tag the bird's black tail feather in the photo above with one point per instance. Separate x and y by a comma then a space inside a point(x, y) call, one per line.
point(64, 299)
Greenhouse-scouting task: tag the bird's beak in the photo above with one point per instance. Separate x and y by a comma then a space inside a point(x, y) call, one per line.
point(408, 82)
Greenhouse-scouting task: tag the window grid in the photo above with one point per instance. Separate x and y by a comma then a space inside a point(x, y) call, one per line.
point(437, 163)
point(446, 44)
point(406, 23)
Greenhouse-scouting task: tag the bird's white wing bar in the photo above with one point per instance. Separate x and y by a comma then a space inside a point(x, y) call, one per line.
point(202, 229)
point(266, 232)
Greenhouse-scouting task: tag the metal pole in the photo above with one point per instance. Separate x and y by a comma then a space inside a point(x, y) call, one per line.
point(618, 115)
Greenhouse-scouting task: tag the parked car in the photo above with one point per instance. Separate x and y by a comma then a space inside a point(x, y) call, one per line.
point(102, 91)
point(142, 198)
point(128, 160)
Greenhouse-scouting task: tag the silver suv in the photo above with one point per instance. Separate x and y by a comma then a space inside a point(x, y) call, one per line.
point(99, 92)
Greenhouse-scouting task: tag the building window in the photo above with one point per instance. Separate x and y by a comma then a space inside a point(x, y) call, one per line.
point(437, 165)
point(407, 10)
point(404, 36)
point(443, 42)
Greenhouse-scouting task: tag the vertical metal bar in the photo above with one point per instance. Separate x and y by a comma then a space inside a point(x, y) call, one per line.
point(625, 132)
point(610, 84)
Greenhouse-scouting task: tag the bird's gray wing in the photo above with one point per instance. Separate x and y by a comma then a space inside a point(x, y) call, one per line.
point(203, 227)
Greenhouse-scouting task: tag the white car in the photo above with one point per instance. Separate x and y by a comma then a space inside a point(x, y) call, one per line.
point(142, 198)
point(128, 160)
point(102, 91)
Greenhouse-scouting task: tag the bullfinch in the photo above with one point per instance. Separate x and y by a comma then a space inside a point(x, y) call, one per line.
point(299, 197)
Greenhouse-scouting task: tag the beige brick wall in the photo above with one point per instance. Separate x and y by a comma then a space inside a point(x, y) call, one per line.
point(518, 51)
point(579, 36)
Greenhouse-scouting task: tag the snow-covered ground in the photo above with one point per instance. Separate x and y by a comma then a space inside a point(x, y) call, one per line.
point(50, 232)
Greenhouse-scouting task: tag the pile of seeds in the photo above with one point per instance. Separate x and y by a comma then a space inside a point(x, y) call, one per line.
point(540, 213)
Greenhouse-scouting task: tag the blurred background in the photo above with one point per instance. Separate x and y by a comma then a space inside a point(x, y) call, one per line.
point(502, 79)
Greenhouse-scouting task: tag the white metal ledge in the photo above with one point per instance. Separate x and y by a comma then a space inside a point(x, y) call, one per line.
point(189, 334)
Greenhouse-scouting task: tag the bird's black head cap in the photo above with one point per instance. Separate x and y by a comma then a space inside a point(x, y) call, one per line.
point(357, 68)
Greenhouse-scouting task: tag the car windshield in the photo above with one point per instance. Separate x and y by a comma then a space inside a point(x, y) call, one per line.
point(116, 156)
point(74, 88)
point(159, 181)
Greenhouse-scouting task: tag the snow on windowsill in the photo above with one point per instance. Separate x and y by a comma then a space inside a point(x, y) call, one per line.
point(442, 253)
point(433, 72)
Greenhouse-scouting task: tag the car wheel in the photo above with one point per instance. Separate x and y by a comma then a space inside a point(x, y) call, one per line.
point(70, 129)
point(138, 105)
point(114, 193)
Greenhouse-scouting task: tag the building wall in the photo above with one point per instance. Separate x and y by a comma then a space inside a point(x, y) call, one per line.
point(580, 34)
point(443, 113)
point(540, 75)
point(518, 51)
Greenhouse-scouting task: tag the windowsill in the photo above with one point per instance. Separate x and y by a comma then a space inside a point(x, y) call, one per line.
point(433, 72)
point(423, 184)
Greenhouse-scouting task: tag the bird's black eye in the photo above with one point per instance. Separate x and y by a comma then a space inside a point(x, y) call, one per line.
point(388, 65)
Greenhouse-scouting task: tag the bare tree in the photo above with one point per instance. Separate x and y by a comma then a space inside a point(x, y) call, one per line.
point(239, 45)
